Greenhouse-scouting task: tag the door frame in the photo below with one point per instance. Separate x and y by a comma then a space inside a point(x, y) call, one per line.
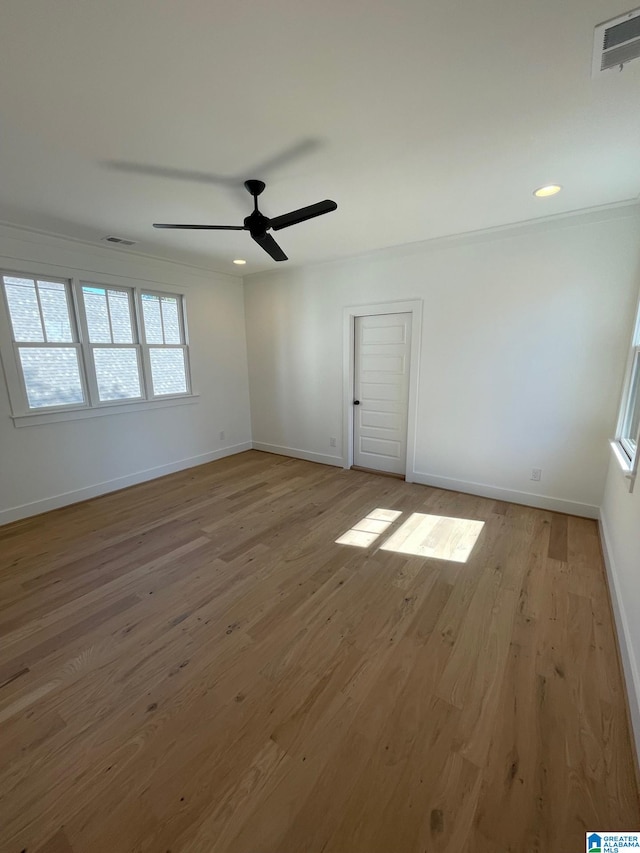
point(413, 307)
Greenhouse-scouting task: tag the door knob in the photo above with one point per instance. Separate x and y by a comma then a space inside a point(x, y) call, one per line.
point(356, 402)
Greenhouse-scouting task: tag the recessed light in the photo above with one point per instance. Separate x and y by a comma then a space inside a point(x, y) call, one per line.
point(545, 192)
point(240, 262)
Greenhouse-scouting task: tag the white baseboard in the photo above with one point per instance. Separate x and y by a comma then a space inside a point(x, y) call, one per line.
point(629, 663)
point(66, 498)
point(510, 495)
point(322, 458)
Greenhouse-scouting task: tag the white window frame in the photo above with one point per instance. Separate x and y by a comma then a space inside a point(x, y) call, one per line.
point(146, 347)
point(89, 347)
point(22, 415)
point(627, 455)
point(19, 391)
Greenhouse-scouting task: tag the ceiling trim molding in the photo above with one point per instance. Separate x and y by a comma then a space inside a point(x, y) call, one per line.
point(601, 213)
point(622, 209)
point(53, 238)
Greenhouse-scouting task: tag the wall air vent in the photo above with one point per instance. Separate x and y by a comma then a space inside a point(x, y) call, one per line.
point(615, 43)
point(120, 240)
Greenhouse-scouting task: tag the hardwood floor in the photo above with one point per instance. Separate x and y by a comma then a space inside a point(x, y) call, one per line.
point(194, 664)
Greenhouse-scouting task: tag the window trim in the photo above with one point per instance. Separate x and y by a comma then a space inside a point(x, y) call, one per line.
point(113, 408)
point(23, 415)
point(627, 456)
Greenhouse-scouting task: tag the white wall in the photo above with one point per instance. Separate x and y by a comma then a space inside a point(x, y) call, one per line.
point(52, 464)
point(524, 341)
point(620, 529)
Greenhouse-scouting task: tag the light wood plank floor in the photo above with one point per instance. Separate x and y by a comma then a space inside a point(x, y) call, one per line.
point(194, 664)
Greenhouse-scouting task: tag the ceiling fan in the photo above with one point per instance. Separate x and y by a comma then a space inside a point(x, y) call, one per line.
point(259, 225)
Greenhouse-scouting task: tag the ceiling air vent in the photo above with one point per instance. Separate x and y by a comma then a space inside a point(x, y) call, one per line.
point(120, 240)
point(615, 43)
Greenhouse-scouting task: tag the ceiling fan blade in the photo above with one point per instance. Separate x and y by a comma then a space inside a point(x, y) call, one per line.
point(303, 214)
point(202, 227)
point(176, 174)
point(271, 247)
point(298, 149)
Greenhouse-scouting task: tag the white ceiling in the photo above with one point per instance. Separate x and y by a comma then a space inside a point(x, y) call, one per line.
point(421, 119)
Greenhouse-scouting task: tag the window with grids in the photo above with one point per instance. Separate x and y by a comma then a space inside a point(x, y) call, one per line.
point(165, 343)
point(45, 341)
point(629, 423)
point(84, 345)
point(115, 355)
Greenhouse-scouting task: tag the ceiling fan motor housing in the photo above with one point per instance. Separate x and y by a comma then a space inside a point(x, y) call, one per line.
point(257, 224)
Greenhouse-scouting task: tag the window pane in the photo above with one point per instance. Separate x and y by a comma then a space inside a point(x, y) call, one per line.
point(95, 306)
point(55, 310)
point(170, 320)
point(152, 319)
point(51, 376)
point(636, 334)
point(23, 309)
point(167, 371)
point(120, 317)
point(632, 415)
point(117, 373)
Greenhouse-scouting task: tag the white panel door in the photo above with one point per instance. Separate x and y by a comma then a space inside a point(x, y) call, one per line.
point(381, 391)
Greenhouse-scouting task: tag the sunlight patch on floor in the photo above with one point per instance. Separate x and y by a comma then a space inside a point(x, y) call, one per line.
point(367, 530)
point(435, 536)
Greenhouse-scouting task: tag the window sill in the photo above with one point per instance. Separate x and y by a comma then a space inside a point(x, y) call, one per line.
point(627, 467)
point(36, 418)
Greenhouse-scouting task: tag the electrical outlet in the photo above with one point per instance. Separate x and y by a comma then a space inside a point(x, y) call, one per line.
point(536, 474)
point(221, 435)
point(332, 442)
